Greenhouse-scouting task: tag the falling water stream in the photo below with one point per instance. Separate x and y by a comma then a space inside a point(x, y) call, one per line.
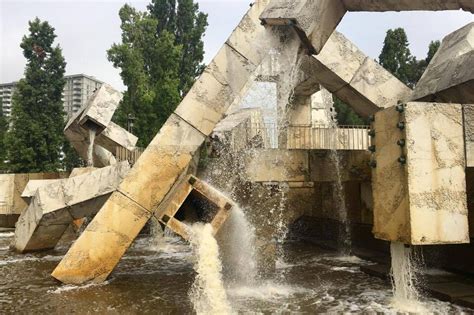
point(90, 149)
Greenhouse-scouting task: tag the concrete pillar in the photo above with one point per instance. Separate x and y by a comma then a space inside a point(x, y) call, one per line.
point(419, 183)
point(164, 163)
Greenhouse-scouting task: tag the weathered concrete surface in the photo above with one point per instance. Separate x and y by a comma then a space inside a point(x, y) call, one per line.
point(194, 201)
point(56, 205)
point(100, 108)
point(314, 21)
point(449, 77)
point(469, 133)
point(11, 188)
point(408, 5)
point(355, 78)
point(97, 116)
point(165, 161)
point(241, 130)
point(424, 201)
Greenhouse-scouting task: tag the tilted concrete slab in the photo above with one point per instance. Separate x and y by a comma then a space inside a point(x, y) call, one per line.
point(469, 133)
point(194, 201)
point(355, 78)
point(449, 77)
point(314, 21)
point(408, 5)
point(56, 205)
point(97, 115)
point(11, 188)
point(164, 163)
point(422, 202)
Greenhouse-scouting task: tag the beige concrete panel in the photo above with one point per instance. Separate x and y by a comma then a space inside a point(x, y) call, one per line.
point(48, 237)
point(96, 253)
point(33, 185)
point(250, 38)
point(314, 21)
point(436, 176)
point(115, 136)
point(101, 107)
point(389, 181)
point(341, 59)
point(165, 159)
point(401, 5)
point(211, 95)
point(274, 165)
point(378, 85)
point(7, 186)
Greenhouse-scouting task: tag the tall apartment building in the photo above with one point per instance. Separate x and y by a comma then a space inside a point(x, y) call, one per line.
point(78, 89)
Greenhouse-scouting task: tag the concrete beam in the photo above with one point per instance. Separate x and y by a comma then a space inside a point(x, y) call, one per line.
point(56, 205)
point(314, 21)
point(408, 5)
point(449, 77)
point(420, 199)
point(355, 78)
point(165, 162)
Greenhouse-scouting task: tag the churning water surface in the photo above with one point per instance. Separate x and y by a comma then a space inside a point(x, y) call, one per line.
point(158, 279)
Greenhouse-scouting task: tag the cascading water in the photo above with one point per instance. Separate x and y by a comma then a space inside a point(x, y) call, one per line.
point(344, 236)
point(405, 295)
point(90, 150)
point(207, 294)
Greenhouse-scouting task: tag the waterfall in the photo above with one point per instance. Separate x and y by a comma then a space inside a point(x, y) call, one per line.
point(207, 294)
point(90, 150)
point(405, 295)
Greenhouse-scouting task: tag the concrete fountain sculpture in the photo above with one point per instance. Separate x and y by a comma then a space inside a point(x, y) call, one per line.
point(307, 26)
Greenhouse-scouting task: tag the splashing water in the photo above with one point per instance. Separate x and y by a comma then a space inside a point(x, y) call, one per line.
point(239, 250)
point(405, 295)
point(90, 150)
point(207, 294)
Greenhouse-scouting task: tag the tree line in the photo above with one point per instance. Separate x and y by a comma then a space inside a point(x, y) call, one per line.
point(159, 57)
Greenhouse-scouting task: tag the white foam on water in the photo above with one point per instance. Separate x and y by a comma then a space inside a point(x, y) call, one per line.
point(267, 291)
point(207, 294)
point(7, 234)
point(4, 248)
point(70, 287)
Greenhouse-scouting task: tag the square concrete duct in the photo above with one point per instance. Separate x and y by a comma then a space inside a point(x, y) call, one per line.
point(194, 201)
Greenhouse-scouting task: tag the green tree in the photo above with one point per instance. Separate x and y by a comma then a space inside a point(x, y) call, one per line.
point(3, 131)
point(396, 56)
point(183, 19)
point(35, 139)
point(346, 115)
point(159, 57)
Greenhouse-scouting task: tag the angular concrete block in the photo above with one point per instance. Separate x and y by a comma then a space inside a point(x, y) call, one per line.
point(63, 201)
point(355, 78)
point(420, 199)
point(405, 5)
point(160, 166)
point(449, 77)
point(468, 110)
point(194, 201)
point(101, 107)
point(115, 136)
point(314, 21)
point(221, 83)
point(99, 248)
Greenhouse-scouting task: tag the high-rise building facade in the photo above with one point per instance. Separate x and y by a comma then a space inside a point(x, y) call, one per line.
point(78, 89)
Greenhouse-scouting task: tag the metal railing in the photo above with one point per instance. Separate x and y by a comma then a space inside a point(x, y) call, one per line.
point(122, 154)
point(302, 137)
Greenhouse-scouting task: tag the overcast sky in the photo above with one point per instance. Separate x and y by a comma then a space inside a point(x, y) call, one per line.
point(87, 28)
